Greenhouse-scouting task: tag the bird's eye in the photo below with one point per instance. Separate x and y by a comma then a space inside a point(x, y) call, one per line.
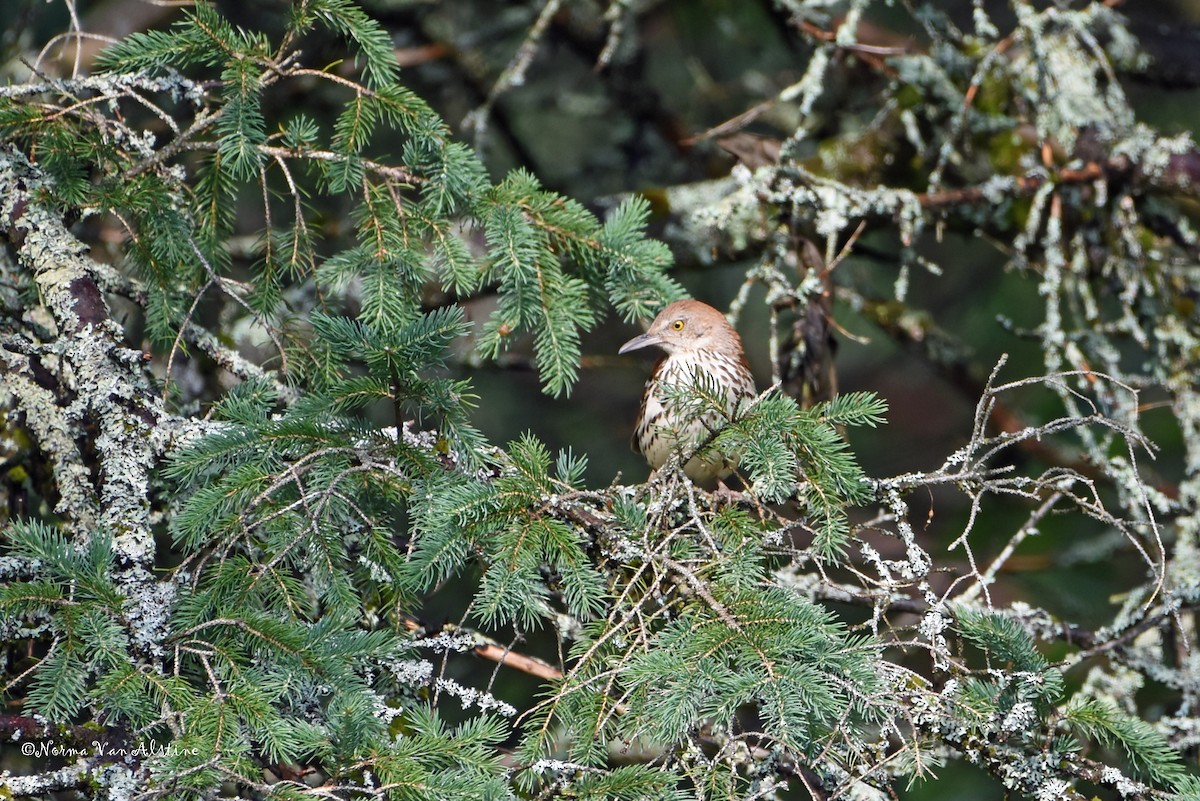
point(677, 325)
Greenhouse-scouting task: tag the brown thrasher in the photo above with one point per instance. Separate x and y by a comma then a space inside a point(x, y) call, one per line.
point(702, 347)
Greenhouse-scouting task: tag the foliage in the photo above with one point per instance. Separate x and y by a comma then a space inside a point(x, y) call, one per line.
point(235, 554)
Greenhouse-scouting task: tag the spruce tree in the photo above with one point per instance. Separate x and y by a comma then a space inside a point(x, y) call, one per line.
point(243, 462)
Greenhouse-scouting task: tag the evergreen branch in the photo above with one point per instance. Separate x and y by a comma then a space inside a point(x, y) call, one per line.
point(490, 649)
point(1146, 748)
point(720, 644)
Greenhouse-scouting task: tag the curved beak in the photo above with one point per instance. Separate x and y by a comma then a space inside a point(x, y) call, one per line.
point(640, 341)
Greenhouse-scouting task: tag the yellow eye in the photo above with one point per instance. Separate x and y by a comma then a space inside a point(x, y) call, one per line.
point(677, 325)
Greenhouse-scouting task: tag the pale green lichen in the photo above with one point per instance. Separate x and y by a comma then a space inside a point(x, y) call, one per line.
point(106, 387)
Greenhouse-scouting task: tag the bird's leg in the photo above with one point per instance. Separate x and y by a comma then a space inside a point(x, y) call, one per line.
point(724, 496)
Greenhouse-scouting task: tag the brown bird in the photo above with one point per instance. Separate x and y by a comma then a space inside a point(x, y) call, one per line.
point(701, 347)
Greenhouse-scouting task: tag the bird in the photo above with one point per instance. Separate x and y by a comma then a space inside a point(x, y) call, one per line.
point(701, 348)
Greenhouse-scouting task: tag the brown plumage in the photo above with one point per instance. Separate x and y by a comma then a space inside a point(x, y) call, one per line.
point(699, 343)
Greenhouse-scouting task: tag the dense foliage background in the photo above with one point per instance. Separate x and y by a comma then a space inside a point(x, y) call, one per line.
point(315, 473)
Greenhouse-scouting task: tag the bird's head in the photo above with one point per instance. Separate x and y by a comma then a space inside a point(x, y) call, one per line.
point(688, 326)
